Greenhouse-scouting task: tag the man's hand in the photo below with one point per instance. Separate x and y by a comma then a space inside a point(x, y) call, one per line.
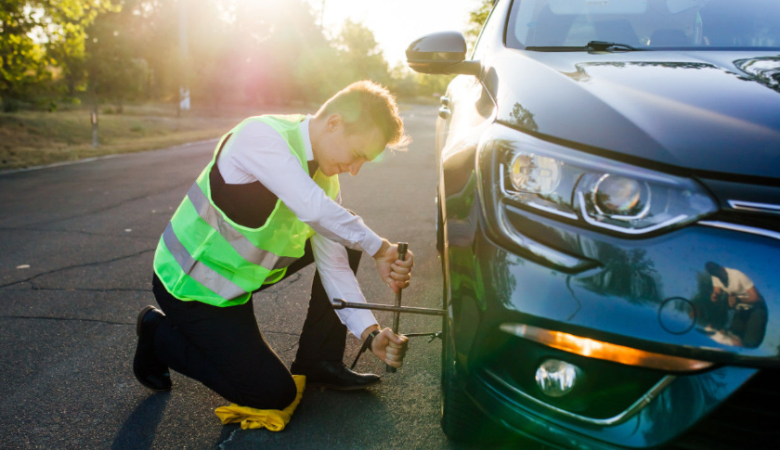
point(715, 293)
point(394, 272)
point(390, 347)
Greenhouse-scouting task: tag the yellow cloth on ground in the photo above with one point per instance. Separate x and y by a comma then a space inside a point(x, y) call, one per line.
point(253, 418)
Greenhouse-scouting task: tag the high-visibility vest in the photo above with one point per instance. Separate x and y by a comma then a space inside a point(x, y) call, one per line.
point(205, 256)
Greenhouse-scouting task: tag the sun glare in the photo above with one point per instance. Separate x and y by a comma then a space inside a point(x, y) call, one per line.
point(396, 24)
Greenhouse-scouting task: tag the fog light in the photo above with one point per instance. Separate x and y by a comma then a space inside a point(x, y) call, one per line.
point(557, 378)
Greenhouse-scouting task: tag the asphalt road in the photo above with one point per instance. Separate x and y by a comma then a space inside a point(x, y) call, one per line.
point(88, 233)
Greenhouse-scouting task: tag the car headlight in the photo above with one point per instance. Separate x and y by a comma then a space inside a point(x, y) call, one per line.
point(603, 193)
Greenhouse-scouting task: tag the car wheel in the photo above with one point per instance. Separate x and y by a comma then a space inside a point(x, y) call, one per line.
point(439, 225)
point(461, 420)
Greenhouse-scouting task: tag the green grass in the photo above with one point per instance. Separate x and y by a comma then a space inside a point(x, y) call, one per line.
point(31, 138)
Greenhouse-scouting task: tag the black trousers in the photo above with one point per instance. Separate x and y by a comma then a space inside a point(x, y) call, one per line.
point(224, 349)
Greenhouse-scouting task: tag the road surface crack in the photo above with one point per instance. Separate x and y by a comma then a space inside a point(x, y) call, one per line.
point(75, 266)
point(290, 348)
point(88, 233)
point(178, 187)
point(230, 437)
point(282, 332)
point(111, 322)
point(66, 319)
point(60, 289)
point(287, 282)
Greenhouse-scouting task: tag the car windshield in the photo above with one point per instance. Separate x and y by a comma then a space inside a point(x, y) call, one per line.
point(646, 24)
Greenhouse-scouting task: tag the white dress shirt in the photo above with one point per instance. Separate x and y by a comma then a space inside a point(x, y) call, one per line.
point(259, 153)
point(738, 283)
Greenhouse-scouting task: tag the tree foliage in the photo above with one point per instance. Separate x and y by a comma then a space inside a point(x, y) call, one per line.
point(477, 19)
point(65, 22)
point(359, 52)
point(236, 51)
point(42, 40)
point(114, 72)
point(423, 85)
point(22, 62)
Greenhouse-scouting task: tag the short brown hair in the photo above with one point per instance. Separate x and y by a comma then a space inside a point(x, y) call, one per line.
point(363, 103)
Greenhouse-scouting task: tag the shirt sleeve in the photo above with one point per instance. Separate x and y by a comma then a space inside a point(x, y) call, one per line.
point(742, 284)
point(262, 152)
point(339, 282)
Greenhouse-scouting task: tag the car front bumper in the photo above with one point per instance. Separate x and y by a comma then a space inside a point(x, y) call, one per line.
point(647, 294)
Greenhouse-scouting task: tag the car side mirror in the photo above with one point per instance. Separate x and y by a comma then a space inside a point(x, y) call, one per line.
point(441, 53)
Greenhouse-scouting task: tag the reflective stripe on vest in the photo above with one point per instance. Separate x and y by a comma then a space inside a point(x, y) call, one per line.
point(238, 241)
point(202, 273)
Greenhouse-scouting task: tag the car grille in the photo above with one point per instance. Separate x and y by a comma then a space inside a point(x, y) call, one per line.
point(747, 420)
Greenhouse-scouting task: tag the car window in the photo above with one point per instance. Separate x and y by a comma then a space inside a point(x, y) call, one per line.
point(646, 24)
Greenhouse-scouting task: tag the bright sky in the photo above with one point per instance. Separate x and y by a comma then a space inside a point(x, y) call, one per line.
point(396, 23)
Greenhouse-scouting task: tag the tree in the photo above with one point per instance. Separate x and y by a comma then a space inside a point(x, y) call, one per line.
point(477, 19)
point(22, 61)
point(295, 36)
point(155, 35)
point(66, 22)
point(359, 51)
point(271, 40)
point(116, 72)
point(320, 73)
point(40, 38)
point(406, 83)
point(403, 83)
point(432, 85)
point(239, 50)
point(424, 85)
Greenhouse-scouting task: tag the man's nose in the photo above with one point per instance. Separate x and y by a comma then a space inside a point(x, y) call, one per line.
point(354, 168)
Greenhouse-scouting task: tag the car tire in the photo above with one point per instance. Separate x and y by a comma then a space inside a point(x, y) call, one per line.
point(439, 225)
point(461, 420)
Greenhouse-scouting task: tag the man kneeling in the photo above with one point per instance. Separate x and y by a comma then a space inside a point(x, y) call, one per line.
point(267, 205)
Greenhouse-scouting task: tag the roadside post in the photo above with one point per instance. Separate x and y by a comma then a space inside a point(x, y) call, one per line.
point(94, 119)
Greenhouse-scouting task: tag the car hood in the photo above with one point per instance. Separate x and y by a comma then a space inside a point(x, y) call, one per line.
point(711, 112)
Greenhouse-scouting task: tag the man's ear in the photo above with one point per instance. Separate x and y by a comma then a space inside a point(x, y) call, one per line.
point(334, 122)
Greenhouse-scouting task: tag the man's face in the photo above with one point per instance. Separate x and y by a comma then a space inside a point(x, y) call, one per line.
point(341, 152)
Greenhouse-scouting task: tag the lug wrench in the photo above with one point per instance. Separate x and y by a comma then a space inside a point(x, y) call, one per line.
point(396, 309)
point(338, 303)
point(402, 247)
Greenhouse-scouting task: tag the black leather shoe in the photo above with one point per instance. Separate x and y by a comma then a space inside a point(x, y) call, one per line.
point(333, 375)
point(147, 368)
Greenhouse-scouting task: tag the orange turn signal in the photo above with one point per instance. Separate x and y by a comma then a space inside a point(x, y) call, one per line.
point(604, 350)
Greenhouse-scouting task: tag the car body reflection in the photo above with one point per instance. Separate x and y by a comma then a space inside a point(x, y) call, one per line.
point(734, 312)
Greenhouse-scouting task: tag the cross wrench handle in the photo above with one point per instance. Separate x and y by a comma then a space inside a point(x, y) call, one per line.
point(402, 247)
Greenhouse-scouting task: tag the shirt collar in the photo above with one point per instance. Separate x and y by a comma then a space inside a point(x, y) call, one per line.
point(307, 138)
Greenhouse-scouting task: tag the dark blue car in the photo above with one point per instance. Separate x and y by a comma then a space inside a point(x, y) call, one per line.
point(609, 224)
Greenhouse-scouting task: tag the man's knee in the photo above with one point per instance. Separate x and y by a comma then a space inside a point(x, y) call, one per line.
point(276, 394)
